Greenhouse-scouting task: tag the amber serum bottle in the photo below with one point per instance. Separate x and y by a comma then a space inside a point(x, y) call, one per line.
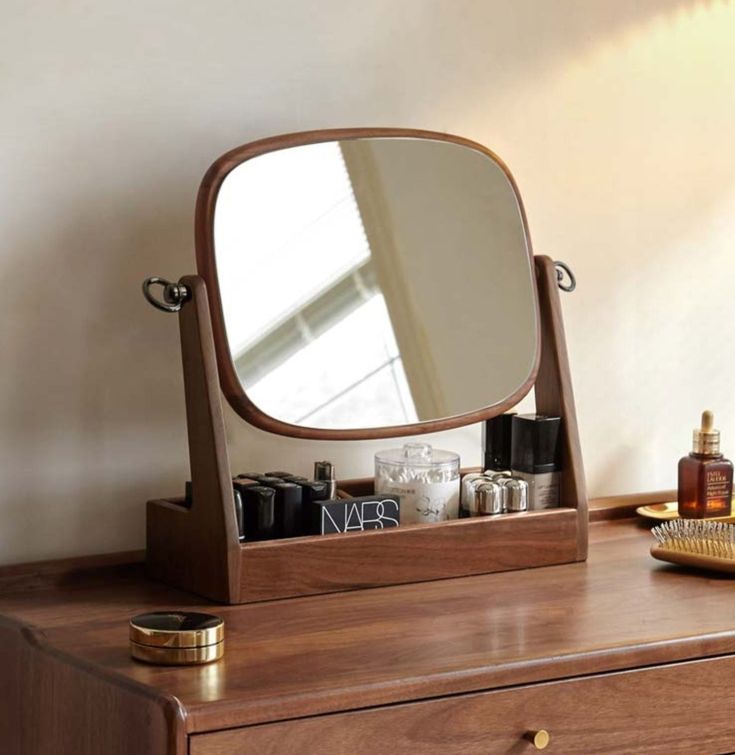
point(705, 476)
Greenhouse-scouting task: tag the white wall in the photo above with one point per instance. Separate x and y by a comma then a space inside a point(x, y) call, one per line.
point(615, 117)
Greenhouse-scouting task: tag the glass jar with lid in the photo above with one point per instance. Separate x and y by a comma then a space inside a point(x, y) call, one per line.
point(425, 478)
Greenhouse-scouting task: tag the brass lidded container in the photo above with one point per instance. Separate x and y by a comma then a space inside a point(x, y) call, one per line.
point(177, 638)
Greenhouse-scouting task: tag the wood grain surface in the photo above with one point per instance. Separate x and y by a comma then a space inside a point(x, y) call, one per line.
point(480, 545)
point(678, 708)
point(309, 656)
point(53, 703)
point(198, 548)
point(555, 396)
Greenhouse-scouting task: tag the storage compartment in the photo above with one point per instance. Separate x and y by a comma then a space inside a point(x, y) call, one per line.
point(625, 712)
point(318, 564)
point(415, 553)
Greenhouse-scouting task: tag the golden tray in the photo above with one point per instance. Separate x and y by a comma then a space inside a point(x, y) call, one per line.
point(664, 512)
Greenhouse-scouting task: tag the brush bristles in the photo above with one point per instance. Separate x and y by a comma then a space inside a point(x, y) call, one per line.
point(697, 536)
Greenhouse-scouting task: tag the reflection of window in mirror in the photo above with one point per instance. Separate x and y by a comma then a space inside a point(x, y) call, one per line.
point(321, 351)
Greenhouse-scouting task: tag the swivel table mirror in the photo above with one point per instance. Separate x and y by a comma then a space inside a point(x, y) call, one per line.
point(354, 284)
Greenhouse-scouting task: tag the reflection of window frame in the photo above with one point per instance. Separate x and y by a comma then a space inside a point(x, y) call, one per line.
point(413, 343)
point(308, 322)
point(391, 362)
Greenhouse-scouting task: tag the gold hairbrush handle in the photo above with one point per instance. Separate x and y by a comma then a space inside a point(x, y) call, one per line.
point(712, 563)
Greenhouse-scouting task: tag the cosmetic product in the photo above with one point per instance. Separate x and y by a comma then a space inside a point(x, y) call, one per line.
point(176, 638)
point(324, 472)
point(502, 478)
point(239, 515)
point(489, 498)
point(516, 496)
point(267, 479)
point(467, 495)
point(244, 482)
point(535, 458)
point(373, 512)
point(506, 474)
point(312, 492)
point(705, 476)
point(287, 508)
point(250, 475)
point(492, 494)
point(496, 442)
point(426, 479)
point(239, 484)
point(282, 475)
point(259, 521)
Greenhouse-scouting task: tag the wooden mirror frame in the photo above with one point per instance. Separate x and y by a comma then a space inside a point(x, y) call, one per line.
point(207, 268)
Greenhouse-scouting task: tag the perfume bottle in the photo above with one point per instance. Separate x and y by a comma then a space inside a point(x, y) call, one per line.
point(705, 476)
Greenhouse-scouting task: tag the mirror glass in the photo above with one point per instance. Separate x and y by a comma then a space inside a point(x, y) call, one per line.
point(375, 281)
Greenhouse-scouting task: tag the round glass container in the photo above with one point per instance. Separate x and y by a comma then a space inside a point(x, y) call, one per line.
point(425, 478)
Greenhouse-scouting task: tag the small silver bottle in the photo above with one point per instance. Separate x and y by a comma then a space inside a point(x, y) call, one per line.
point(468, 494)
point(516, 496)
point(489, 498)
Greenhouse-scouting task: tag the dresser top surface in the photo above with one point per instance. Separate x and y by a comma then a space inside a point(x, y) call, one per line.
point(307, 656)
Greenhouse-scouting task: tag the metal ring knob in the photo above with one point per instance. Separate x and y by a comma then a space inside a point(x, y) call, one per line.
point(173, 295)
point(563, 269)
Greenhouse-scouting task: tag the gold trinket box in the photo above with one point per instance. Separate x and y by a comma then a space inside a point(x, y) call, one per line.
point(177, 638)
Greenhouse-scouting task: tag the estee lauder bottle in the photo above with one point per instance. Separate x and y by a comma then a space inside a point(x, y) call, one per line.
point(705, 476)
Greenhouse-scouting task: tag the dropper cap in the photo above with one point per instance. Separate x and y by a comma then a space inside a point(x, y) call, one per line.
point(706, 440)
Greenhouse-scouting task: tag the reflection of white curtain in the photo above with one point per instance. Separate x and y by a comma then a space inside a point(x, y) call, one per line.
point(413, 341)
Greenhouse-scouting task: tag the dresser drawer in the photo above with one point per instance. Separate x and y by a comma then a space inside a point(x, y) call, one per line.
point(680, 708)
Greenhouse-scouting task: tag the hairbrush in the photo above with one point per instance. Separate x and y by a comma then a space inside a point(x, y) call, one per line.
point(696, 542)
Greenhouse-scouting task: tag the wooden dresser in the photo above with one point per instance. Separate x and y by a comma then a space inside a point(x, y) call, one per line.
point(619, 654)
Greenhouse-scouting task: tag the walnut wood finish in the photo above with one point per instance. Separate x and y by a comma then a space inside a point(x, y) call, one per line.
point(322, 564)
point(277, 569)
point(344, 652)
point(555, 396)
point(678, 708)
point(51, 702)
point(207, 268)
point(624, 506)
point(197, 549)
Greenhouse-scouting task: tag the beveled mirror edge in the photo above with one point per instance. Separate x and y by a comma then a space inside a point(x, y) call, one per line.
point(207, 269)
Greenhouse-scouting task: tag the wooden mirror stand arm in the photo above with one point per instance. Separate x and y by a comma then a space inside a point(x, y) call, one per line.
point(197, 549)
point(555, 395)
